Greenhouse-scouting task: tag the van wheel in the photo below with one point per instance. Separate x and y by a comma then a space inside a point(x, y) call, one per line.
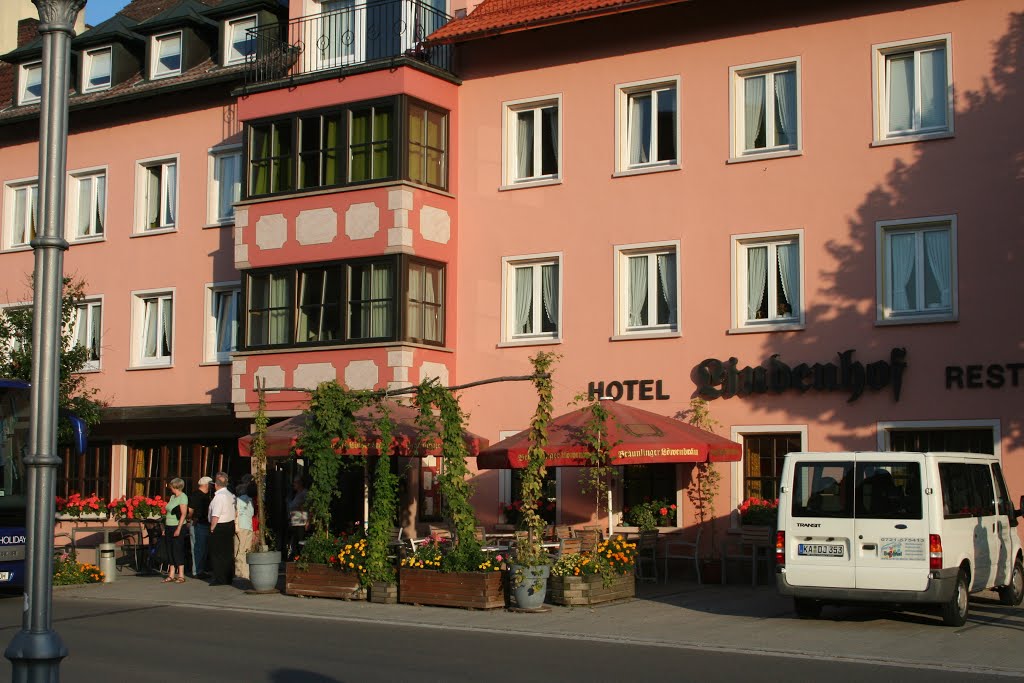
point(806, 608)
point(1013, 593)
point(954, 612)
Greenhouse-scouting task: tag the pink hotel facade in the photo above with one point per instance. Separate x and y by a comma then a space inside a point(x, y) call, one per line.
point(810, 217)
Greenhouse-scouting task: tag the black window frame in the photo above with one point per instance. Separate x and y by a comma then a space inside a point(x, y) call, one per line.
point(400, 266)
point(325, 270)
point(397, 140)
point(407, 143)
point(407, 301)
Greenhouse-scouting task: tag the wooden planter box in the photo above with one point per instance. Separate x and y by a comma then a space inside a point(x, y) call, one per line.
point(322, 581)
point(589, 590)
point(473, 590)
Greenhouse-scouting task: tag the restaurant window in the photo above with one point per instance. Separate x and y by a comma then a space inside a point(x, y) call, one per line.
point(762, 462)
point(648, 483)
point(427, 146)
point(87, 473)
point(547, 506)
point(152, 464)
point(965, 440)
point(424, 320)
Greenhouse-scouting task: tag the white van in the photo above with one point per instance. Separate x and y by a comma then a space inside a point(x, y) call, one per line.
point(896, 528)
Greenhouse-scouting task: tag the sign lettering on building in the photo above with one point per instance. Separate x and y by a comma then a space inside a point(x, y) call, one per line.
point(629, 389)
point(994, 376)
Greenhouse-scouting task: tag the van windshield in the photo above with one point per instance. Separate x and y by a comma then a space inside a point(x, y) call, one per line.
point(823, 489)
point(888, 490)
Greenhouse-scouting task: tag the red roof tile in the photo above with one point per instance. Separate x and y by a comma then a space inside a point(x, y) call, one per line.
point(495, 17)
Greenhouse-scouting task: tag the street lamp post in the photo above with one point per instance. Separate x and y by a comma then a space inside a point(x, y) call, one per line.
point(36, 650)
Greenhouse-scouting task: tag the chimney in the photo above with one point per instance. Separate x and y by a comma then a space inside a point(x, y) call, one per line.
point(28, 30)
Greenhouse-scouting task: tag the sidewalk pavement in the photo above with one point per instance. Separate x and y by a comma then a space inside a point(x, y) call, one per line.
point(731, 618)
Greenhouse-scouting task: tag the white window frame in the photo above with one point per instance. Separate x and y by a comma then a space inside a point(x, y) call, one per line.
point(142, 194)
point(155, 68)
point(884, 314)
point(229, 38)
point(11, 189)
point(510, 112)
point(24, 96)
point(139, 297)
point(622, 252)
point(880, 89)
point(10, 342)
point(738, 434)
point(740, 243)
point(623, 91)
point(509, 264)
point(91, 305)
point(74, 199)
point(737, 101)
point(213, 217)
point(885, 429)
point(213, 289)
point(88, 58)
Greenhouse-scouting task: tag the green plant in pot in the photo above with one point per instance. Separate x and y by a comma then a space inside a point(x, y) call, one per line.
point(532, 565)
point(264, 563)
point(380, 572)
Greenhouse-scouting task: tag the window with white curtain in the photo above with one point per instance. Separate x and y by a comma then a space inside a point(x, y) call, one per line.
point(648, 125)
point(766, 108)
point(158, 195)
point(89, 204)
point(225, 185)
point(96, 69)
point(240, 43)
point(223, 315)
point(769, 284)
point(87, 331)
point(166, 55)
point(269, 309)
point(918, 270)
point(371, 293)
point(30, 83)
point(154, 328)
point(533, 140)
point(425, 303)
point(914, 89)
point(533, 298)
point(648, 289)
point(23, 213)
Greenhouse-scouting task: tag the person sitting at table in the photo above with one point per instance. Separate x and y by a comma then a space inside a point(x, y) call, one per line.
point(174, 523)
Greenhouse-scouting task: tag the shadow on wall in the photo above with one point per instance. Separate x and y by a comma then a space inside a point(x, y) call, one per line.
point(977, 176)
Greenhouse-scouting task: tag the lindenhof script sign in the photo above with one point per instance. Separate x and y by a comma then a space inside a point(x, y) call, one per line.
point(717, 378)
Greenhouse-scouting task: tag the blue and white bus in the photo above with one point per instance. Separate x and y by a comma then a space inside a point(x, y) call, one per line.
point(14, 445)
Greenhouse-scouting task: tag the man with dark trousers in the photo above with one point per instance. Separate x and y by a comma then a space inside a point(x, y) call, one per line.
point(199, 514)
point(222, 532)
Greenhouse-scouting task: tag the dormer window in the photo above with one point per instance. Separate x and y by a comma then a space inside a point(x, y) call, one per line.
point(166, 55)
point(240, 43)
point(96, 70)
point(30, 90)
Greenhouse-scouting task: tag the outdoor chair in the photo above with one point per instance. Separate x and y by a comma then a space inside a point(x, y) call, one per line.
point(647, 554)
point(396, 546)
point(569, 546)
point(480, 533)
point(678, 549)
point(748, 547)
point(589, 538)
point(562, 532)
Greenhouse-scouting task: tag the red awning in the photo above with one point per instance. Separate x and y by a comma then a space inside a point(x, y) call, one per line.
point(640, 437)
point(282, 437)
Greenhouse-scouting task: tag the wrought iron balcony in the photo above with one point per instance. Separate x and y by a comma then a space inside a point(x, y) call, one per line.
point(348, 33)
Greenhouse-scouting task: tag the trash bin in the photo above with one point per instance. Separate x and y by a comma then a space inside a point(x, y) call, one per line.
point(107, 561)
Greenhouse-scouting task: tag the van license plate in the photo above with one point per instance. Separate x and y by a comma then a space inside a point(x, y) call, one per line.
point(5, 576)
point(820, 549)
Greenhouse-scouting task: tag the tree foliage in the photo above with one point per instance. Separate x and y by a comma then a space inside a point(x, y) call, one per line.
point(74, 392)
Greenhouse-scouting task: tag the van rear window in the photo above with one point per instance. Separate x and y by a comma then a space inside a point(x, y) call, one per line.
point(888, 490)
point(823, 489)
point(967, 490)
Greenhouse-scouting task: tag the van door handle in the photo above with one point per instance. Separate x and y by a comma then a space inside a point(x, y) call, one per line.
point(901, 526)
point(869, 546)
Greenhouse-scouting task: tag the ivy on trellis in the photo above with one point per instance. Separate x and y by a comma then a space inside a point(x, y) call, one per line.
point(597, 478)
point(385, 504)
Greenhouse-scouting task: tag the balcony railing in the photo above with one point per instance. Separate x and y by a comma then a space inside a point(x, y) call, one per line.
point(351, 33)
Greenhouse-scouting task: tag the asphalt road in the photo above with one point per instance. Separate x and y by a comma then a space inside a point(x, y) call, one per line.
point(156, 643)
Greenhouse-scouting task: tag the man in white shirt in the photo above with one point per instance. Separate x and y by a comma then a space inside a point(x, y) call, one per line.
point(222, 532)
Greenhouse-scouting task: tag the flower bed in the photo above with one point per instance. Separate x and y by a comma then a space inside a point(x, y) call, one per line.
point(474, 590)
point(322, 581)
point(590, 589)
point(77, 506)
point(138, 507)
point(758, 512)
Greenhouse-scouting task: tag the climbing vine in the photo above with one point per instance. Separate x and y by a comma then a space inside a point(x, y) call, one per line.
point(705, 485)
point(532, 553)
point(259, 466)
point(385, 505)
point(456, 490)
point(597, 478)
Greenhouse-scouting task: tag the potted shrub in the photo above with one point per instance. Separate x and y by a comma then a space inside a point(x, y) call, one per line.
point(604, 574)
point(264, 563)
point(651, 514)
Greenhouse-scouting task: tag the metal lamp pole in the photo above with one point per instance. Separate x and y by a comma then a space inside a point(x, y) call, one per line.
point(35, 651)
